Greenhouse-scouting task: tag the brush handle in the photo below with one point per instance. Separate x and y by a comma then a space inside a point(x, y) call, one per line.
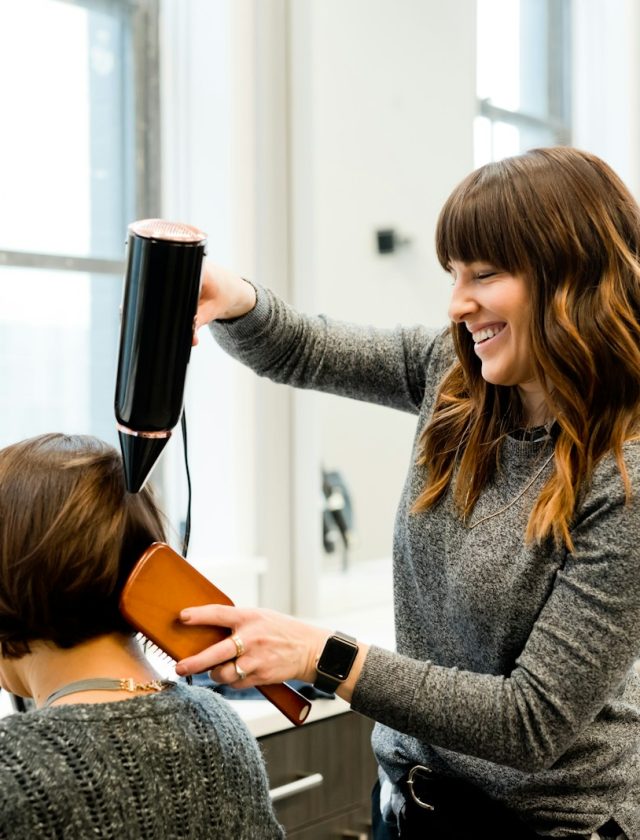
point(290, 702)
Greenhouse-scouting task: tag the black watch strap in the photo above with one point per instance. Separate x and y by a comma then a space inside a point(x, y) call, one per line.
point(326, 684)
point(335, 662)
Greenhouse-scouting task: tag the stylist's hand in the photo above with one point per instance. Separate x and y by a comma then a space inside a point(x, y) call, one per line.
point(223, 294)
point(277, 647)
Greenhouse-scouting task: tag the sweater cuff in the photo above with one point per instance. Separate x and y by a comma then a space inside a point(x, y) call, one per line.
point(249, 323)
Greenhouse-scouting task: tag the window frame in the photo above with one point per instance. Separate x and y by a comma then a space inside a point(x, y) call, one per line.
point(146, 152)
point(559, 83)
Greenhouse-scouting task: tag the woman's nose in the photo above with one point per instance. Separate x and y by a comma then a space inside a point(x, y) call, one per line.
point(461, 303)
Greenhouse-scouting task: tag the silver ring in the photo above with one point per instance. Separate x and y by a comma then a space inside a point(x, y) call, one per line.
point(237, 641)
point(242, 675)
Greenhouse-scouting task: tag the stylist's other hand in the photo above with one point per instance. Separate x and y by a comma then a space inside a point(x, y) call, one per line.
point(223, 294)
point(277, 647)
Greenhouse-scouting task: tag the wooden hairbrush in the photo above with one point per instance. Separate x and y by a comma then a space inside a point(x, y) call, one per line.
point(161, 584)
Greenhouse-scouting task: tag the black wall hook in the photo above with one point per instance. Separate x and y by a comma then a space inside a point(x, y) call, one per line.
point(389, 240)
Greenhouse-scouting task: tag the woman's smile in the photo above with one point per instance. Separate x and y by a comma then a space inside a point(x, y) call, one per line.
point(484, 337)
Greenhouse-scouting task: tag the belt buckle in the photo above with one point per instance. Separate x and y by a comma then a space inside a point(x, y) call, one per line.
point(415, 771)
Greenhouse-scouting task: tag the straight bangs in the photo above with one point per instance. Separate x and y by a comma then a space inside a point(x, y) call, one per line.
point(484, 219)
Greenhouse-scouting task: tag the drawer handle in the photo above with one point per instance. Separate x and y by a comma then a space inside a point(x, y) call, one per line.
point(293, 788)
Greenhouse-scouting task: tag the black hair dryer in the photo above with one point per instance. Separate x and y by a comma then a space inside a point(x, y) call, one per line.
point(161, 290)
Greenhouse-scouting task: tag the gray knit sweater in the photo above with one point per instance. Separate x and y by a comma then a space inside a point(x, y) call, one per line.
point(175, 764)
point(514, 668)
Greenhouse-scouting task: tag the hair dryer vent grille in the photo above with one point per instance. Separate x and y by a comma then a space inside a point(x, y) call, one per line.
point(168, 231)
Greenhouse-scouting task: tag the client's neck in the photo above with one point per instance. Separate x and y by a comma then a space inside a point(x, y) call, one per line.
point(48, 667)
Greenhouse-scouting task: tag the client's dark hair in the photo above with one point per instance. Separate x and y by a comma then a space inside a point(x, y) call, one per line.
point(69, 536)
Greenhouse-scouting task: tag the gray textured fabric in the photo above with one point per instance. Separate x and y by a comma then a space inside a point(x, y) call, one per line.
point(514, 668)
point(175, 764)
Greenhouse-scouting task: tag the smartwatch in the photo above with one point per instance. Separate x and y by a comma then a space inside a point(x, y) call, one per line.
point(335, 661)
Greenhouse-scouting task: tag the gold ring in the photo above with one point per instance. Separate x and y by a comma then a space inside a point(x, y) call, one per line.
point(237, 641)
point(242, 675)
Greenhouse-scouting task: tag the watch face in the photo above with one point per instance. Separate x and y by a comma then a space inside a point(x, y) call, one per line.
point(337, 658)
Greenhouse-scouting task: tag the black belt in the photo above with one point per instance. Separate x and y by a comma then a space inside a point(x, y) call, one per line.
point(451, 809)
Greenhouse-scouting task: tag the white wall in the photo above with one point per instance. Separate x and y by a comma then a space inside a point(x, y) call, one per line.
point(225, 168)
point(382, 104)
point(294, 129)
point(207, 102)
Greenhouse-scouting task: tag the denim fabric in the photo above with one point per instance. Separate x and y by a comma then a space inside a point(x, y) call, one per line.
point(381, 829)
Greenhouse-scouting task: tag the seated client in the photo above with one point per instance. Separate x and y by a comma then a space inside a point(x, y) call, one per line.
point(160, 761)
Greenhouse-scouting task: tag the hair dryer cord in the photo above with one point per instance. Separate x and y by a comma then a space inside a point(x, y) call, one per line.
point(187, 521)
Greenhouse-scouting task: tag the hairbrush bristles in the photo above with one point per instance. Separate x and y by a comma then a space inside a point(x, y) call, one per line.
point(151, 647)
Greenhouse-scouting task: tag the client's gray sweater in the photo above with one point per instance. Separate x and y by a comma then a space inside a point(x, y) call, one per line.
point(164, 766)
point(514, 668)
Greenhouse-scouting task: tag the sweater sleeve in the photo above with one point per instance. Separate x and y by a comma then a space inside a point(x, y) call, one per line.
point(580, 649)
point(387, 367)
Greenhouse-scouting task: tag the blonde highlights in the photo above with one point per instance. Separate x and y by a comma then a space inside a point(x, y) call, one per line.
point(563, 220)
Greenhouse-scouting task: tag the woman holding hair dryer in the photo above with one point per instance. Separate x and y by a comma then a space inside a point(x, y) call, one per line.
point(511, 708)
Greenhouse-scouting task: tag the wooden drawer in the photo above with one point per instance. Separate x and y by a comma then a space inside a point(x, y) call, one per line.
point(338, 749)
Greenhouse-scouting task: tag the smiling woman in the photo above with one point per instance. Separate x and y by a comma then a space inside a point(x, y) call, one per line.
point(517, 594)
point(560, 230)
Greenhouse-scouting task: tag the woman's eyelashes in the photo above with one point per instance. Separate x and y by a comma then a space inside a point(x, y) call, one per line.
point(477, 275)
point(486, 273)
point(471, 273)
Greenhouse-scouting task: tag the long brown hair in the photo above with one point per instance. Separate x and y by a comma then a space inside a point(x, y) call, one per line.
point(564, 220)
point(69, 535)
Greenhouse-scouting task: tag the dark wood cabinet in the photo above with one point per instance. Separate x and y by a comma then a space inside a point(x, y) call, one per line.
point(321, 775)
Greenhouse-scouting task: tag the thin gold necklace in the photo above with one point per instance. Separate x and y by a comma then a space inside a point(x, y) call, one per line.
point(515, 498)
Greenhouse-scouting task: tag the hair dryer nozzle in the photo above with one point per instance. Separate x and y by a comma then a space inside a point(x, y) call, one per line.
point(139, 456)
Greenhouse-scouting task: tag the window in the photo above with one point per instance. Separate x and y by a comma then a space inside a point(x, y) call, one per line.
point(77, 164)
point(523, 76)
